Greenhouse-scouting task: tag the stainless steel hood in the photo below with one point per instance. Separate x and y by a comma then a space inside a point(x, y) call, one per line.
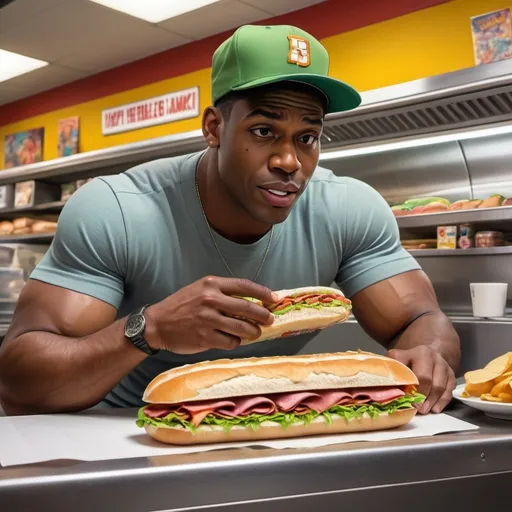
point(463, 99)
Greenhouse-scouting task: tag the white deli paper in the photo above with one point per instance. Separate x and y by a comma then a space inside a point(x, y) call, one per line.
point(112, 434)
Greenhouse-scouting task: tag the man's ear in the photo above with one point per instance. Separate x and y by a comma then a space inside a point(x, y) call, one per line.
point(211, 126)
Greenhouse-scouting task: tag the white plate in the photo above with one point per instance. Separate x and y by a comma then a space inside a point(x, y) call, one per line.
point(500, 410)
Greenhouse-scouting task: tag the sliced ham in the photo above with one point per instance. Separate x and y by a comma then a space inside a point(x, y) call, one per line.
point(326, 400)
point(305, 297)
point(198, 412)
point(361, 400)
point(308, 298)
point(377, 395)
point(287, 402)
point(300, 402)
point(244, 406)
point(157, 411)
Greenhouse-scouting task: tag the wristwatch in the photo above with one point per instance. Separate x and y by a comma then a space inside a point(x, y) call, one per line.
point(134, 330)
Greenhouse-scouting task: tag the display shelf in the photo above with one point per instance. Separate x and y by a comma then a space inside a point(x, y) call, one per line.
point(55, 206)
point(461, 318)
point(484, 216)
point(106, 161)
point(31, 239)
point(478, 320)
point(477, 251)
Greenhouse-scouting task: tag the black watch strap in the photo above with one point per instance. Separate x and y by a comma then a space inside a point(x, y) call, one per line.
point(134, 331)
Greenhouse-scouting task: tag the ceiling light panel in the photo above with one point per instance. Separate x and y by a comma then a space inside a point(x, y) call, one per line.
point(154, 11)
point(14, 64)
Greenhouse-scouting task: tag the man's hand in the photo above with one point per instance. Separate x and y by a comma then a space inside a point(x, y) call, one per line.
point(208, 314)
point(436, 378)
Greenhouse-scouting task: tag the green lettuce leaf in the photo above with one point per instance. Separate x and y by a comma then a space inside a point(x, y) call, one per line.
point(334, 303)
point(292, 307)
point(253, 421)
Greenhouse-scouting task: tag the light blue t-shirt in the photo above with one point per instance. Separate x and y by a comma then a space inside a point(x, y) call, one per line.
point(137, 237)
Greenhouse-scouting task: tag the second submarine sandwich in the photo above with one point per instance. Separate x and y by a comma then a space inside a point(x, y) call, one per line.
point(302, 310)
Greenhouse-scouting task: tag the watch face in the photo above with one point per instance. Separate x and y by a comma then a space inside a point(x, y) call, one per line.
point(135, 325)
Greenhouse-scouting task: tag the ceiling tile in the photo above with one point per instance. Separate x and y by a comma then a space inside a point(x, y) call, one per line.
point(213, 19)
point(22, 10)
point(37, 81)
point(69, 27)
point(140, 44)
point(281, 6)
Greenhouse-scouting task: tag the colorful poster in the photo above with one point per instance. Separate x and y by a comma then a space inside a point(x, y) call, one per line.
point(492, 37)
point(68, 136)
point(23, 148)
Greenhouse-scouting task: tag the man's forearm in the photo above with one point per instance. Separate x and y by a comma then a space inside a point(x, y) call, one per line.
point(436, 331)
point(41, 372)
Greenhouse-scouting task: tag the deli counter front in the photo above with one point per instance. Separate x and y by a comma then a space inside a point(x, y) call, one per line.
point(469, 471)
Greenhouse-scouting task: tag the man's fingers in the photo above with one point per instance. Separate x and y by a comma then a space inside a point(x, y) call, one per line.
point(222, 341)
point(239, 327)
point(423, 370)
point(439, 382)
point(244, 288)
point(447, 396)
point(399, 355)
point(436, 378)
point(246, 309)
point(421, 366)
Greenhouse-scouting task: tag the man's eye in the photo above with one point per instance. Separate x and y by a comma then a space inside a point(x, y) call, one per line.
point(308, 139)
point(262, 132)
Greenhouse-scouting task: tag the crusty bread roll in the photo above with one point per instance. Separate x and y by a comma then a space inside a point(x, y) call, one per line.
point(22, 222)
point(470, 205)
point(43, 226)
point(264, 375)
point(303, 320)
point(272, 430)
point(6, 227)
point(22, 231)
point(435, 207)
point(492, 201)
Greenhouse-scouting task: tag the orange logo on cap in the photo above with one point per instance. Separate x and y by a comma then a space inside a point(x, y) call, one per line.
point(299, 51)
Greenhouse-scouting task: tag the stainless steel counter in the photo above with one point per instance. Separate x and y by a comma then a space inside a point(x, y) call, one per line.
point(470, 471)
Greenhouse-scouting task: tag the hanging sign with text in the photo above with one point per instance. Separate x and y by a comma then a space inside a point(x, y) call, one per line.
point(162, 109)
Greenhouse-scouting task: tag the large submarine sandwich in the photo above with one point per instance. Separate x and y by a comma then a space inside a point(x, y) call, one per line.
point(304, 309)
point(278, 397)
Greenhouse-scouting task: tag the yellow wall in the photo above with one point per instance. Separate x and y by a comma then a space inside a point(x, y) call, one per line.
point(424, 43)
point(89, 113)
point(421, 44)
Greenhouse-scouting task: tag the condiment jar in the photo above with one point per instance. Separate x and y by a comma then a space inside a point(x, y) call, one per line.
point(489, 239)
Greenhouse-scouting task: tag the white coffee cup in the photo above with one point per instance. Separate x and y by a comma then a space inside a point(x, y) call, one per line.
point(489, 300)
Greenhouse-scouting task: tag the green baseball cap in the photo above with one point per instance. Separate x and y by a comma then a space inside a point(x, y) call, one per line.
point(259, 55)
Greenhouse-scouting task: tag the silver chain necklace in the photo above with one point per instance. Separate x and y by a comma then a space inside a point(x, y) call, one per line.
point(217, 247)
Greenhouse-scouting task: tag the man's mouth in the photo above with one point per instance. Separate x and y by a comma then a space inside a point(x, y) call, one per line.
point(278, 198)
point(281, 193)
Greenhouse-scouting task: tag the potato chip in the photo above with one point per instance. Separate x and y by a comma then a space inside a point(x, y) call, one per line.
point(501, 387)
point(503, 377)
point(491, 371)
point(478, 389)
point(489, 398)
point(506, 397)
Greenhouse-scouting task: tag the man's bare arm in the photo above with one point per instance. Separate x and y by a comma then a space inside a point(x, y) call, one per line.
point(402, 314)
point(63, 352)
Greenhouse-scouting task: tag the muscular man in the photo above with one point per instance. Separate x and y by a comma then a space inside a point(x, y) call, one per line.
point(186, 235)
